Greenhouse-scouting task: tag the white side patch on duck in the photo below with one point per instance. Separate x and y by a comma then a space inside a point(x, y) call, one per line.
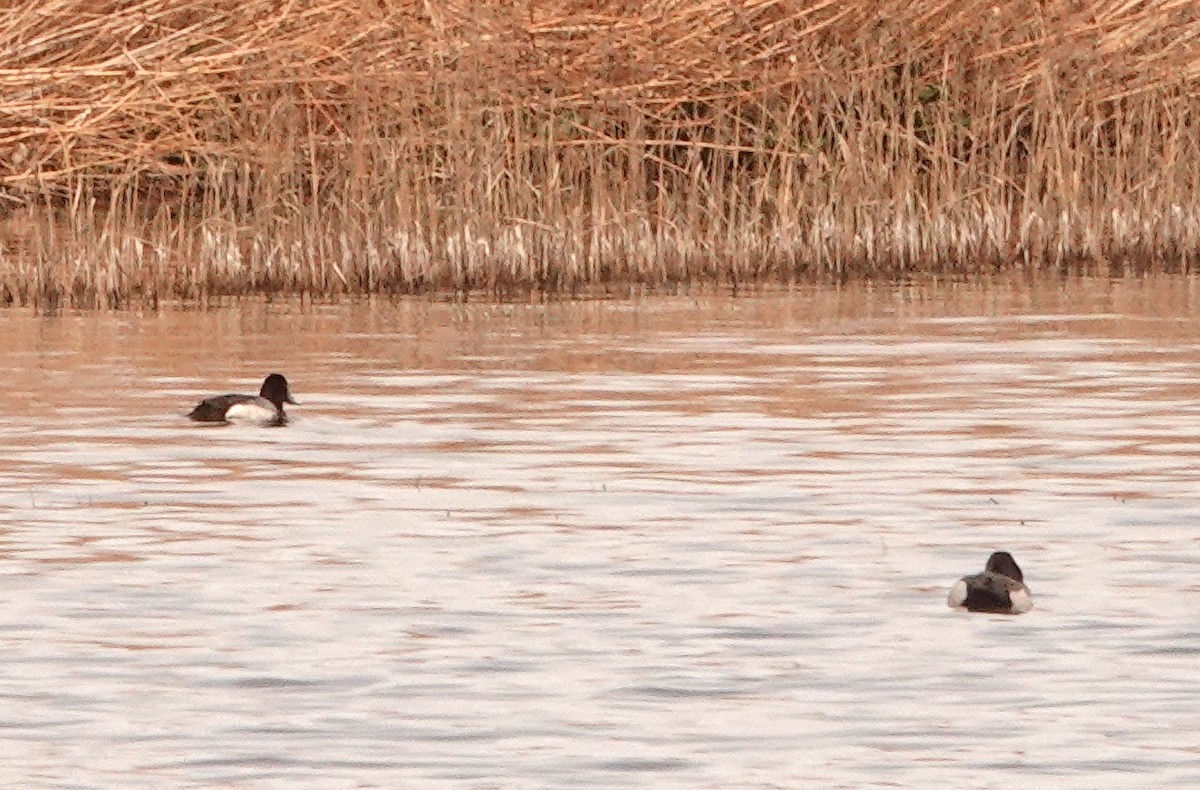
point(1022, 601)
point(958, 593)
point(253, 412)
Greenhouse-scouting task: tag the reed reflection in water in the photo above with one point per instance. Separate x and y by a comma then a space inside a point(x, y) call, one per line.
point(672, 543)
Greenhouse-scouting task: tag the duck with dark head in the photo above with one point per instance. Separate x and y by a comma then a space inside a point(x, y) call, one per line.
point(264, 409)
point(999, 589)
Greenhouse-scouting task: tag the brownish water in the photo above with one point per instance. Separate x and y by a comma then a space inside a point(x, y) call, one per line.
point(667, 543)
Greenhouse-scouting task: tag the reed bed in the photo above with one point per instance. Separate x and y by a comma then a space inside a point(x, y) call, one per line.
point(179, 150)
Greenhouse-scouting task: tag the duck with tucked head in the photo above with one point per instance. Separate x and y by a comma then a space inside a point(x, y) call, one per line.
point(264, 409)
point(999, 589)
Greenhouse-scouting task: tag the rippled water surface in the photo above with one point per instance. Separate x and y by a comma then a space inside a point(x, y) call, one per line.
point(677, 542)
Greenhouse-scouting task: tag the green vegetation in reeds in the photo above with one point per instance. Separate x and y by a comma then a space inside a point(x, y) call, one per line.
point(153, 149)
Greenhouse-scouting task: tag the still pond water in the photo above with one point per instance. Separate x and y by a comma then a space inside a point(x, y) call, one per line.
point(673, 542)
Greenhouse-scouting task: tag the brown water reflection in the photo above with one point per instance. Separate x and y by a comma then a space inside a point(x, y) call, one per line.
point(692, 542)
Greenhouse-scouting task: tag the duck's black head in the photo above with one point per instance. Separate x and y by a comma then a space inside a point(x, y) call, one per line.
point(275, 389)
point(1002, 562)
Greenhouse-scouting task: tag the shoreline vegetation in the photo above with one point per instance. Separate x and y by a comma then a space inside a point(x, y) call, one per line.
point(155, 150)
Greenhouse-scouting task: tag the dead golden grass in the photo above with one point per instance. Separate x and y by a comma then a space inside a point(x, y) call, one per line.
point(157, 149)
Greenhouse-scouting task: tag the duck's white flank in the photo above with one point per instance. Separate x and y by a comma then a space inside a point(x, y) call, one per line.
point(958, 593)
point(259, 410)
point(1022, 601)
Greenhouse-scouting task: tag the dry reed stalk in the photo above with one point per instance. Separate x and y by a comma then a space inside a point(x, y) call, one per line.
point(161, 149)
